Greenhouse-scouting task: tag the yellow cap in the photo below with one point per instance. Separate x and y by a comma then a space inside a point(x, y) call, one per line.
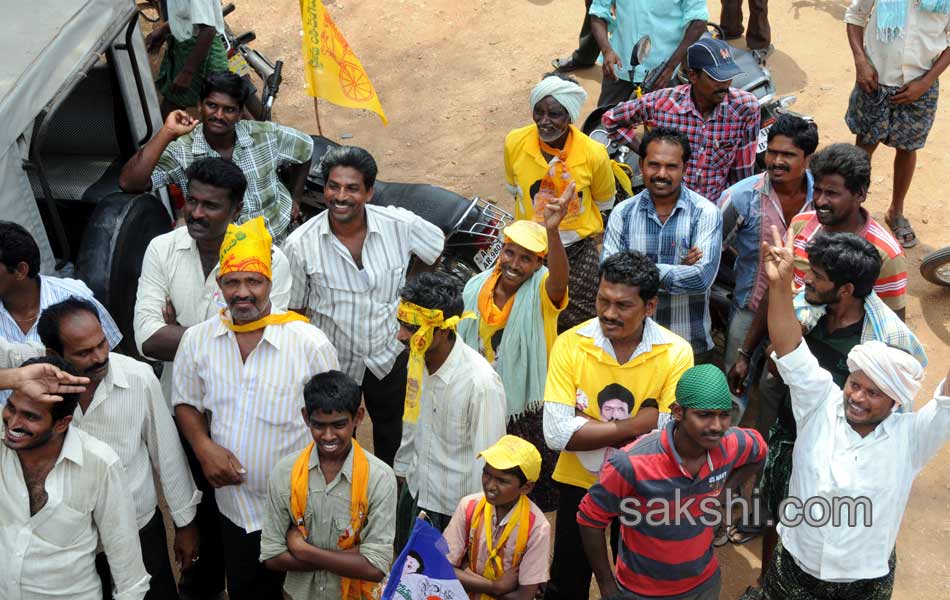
point(511, 451)
point(529, 235)
point(246, 248)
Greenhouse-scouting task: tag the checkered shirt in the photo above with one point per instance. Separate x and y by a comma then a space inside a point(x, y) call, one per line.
point(260, 148)
point(723, 146)
point(684, 289)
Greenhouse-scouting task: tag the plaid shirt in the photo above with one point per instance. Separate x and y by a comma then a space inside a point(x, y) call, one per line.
point(723, 146)
point(684, 289)
point(260, 148)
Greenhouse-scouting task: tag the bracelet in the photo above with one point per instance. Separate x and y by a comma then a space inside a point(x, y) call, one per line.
point(745, 353)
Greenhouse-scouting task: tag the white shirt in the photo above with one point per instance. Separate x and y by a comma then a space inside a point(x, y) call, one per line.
point(356, 307)
point(831, 460)
point(255, 405)
point(51, 555)
point(172, 269)
point(13, 354)
point(54, 290)
point(184, 15)
point(462, 412)
point(128, 412)
point(926, 35)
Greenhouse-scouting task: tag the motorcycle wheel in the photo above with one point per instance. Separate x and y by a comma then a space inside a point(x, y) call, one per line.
point(935, 267)
point(457, 267)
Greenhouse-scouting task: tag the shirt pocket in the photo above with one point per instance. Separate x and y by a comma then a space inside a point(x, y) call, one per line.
point(62, 526)
point(276, 410)
point(722, 153)
point(387, 282)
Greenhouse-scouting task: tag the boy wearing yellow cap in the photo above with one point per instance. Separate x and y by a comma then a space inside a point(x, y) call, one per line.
point(516, 308)
point(499, 540)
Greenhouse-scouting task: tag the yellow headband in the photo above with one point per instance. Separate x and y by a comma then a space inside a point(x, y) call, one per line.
point(246, 248)
point(427, 319)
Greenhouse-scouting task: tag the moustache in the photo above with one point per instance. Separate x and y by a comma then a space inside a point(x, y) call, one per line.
point(659, 180)
point(201, 222)
point(248, 299)
point(724, 90)
point(778, 168)
point(96, 367)
point(613, 322)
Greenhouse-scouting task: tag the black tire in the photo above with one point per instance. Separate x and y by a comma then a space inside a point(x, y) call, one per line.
point(111, 252)
point(458, 268)
point(935, 267)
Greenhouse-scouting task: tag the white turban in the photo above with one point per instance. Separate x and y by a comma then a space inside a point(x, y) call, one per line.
point(894, 371)
point(569, 95)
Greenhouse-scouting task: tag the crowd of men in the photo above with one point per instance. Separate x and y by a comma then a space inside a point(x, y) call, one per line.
point(578, 375)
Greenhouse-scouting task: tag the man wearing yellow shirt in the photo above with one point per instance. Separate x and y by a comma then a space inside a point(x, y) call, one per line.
point(622, 346)
point(516, 309)
point(540, 160)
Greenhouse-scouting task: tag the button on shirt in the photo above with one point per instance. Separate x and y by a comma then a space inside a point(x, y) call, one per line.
point(52, 291)
point(172, 269)
point(259, 148)
point(462, 412)
point(723, 145)
point(327, 517)
point(924, 37)
point(356, 307)
point(255, 405)
point(129, 414)
point(684, 289)
point(665, 21)
point(832, 461)
point(51, 555)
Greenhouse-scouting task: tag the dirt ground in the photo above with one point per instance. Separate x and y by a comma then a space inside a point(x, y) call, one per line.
point(454, 77)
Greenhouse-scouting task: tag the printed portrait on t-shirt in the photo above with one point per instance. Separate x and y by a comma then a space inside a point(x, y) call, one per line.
point(615, 402)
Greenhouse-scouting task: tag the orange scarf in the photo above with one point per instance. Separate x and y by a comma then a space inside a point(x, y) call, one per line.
point(555, 180)
point(272, 319)
point(491, 318)
point(353, 589)
point(521, 519)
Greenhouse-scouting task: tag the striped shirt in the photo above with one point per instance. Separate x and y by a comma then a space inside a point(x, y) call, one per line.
point(259, 149)
point(52, 291)
point(673, 557)
point(684, 289)
point(255, 404)
point(13, 354)
point(356, 305)
point(891, 284)
point(462, 412)
point(723, 145)
point(129, 413)
point(172, 269)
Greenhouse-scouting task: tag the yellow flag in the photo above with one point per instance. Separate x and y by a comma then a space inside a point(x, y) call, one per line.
point(330, 67)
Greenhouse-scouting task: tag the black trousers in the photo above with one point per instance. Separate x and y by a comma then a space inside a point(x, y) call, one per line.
point(385, 399)
point(570, 570)
point(248, 578)
point(154, 555)
point(614, 92)
point(587, 48)
point(205, 579)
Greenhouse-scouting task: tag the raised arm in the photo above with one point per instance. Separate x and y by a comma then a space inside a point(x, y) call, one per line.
point(557, 256)
point(136, 175)
point(779, 260)
point(43, 382)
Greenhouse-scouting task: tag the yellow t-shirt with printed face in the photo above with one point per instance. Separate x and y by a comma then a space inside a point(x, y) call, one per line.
point(590, 168)
point(578, 370)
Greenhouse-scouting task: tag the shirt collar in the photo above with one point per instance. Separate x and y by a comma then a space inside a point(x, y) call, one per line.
point(346, 470)
point(533, 147)
point(652, 335)
point(447, 371)
point(184, 241)
point(270, 333)
point(883, 428)
point(683, 99)
point(200, 146)
point(372, 224)
point(764, 187)
point(683, 202)
point(72, 447)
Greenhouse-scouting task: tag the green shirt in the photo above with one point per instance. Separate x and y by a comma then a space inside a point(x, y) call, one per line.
point(327, 517)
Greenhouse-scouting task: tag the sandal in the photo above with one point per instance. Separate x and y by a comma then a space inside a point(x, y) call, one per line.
point(742, 534)
point(566, 65)
point(721, 536)
point(903, 232)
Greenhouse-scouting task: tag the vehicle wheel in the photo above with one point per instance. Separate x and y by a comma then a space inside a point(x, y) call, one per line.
point(111, 252)
point(935, 267)
point(457, 268)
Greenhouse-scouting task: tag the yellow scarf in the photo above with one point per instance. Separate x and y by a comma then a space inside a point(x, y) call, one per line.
point(272, 319)
point(427, 319)
point(493, 568)
point(353, 589)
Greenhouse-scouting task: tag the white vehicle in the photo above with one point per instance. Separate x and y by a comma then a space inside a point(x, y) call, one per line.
point(78, 100)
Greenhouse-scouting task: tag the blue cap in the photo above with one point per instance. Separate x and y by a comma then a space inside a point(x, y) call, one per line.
point(714, 57)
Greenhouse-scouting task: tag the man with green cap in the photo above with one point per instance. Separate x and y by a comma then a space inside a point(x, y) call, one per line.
point(666, 489)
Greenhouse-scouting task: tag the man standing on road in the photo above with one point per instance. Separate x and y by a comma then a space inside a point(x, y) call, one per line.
point(348, 264)
point(679, 230)
point(853, 444)
point(622, 345)
point(258, 148)
point(247, 368)
point(758, 36)
point(672, 26)
point(123, 407)
point(900, 49)
point(754, 205)
point(692, 460)
point(63, 493)
point(721, 122)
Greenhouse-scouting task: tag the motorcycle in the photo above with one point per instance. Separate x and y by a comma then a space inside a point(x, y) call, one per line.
point(935, 267)
point(472, 226)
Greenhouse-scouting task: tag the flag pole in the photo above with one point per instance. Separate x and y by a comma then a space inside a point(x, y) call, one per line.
point(316, 112)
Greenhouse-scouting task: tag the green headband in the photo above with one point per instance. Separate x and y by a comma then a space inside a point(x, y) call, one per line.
point(704, 387)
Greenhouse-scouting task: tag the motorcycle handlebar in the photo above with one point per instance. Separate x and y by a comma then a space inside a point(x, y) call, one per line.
point(227, 9)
